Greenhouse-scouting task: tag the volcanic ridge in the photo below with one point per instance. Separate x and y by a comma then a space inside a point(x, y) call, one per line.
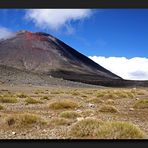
point(42, 54)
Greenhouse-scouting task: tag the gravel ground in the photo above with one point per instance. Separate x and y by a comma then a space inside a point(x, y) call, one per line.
point(81, 95)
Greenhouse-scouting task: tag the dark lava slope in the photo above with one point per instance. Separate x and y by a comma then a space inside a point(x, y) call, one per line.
point(44, 54)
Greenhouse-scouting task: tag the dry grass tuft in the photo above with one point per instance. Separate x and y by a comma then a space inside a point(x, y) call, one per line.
point(85, 128)
point(95, 129)
point(69, 114)
point(141, 104)
point(1, 107)
point(63, 104)
point(22, 95)
point(119, 130)
point(32, 101)
point(95, 100)
point(45, 98)
point(88, 112)
point(25, 119)
point(4, 99)
point(59, 122)
point(110, 96)
point(108, 109)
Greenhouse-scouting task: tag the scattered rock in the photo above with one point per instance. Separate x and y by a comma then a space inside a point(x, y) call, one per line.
point(137, 98)
point(79, 111)
point(131, 109)
point(13, 133)
point(80, 118)
point(91, 105)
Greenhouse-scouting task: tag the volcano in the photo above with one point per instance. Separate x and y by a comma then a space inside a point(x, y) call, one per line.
point(44, 54)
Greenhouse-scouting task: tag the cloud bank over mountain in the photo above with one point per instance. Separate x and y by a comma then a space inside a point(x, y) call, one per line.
point(133, 69)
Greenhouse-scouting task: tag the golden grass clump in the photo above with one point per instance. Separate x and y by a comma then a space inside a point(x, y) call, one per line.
point(88, 113)
point(85, 128)
point(141, 104)
point(8, 99)
point(119, 130)
point(141, 92)
point(110, 96)
point(108, 109)
point(63, 104)
point(21, 95)
point(95, 129)
point(55, 92)
point(25, 119)
point(39, 91)
point(1, 107)
point(110, 101)
point(45, 98)
point(69, 114)
point(95, 100)
point(32, 101)
point(100, 94)
point(76, 93)
point(59, 121)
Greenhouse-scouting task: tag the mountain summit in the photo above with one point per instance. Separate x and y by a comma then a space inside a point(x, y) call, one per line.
point(44, 54)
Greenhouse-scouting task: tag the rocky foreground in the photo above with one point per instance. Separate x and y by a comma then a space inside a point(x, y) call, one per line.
point(78, 112)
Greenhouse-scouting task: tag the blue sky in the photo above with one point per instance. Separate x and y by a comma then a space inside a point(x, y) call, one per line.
point(94, 32)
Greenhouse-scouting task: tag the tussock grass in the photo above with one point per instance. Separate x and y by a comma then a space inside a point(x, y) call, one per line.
point(110, 96)
point(25, 119)
point(119, 130)
point(85, 128)
point(8, 100)
point(76, 93)
point(95, 129)
point(1, 107)
point(88, 112)
point(95, 100)
point(108, 109)
point(22, 95)
point(59, 121)
point(32, 101)
point(140, 93)
point(45, 98)
point(100, 94)
point(55, 92)
point(39, 91)
point(141, 104)
point(69, 114)
point(63, 104)
point(110, 101)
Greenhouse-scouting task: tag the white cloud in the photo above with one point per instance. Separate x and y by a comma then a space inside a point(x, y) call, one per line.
point(5, 33)
point(56, 18)
point(133, 69)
